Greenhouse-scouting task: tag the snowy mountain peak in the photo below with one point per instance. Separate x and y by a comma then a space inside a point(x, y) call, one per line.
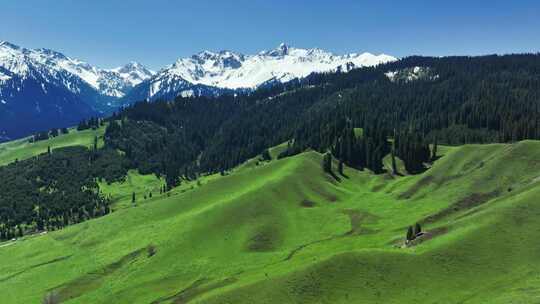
point(281, 50)
point(133, 73)
point(231, 70)
point(6, 44)
point(51, 65)
point(133, 66)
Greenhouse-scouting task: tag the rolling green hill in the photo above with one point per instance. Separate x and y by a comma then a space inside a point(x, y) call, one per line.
point(22, 149)
point(284, 231)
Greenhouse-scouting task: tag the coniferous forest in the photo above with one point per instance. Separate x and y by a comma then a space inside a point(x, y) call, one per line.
point(359, 117)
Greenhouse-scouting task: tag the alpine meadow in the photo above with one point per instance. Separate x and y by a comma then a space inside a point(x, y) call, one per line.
point(289, 175)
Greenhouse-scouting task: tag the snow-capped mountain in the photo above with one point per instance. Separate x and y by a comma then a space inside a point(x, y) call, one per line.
point(44, 88)
point(232, 71)
point(115, 82)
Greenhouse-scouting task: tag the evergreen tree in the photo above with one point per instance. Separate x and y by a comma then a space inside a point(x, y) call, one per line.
point(327, 162)
point(54, 132)
point(410, 234)
point(417, 229)
point(394, 166)
point(266, 155)
point(434, 151)
point(133, 198)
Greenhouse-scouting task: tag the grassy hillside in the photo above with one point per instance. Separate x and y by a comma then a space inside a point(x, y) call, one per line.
point(22, 149)
point(284, 231)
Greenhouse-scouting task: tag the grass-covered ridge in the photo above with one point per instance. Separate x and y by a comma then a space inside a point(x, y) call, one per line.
point(284, 231)
point(22, 148)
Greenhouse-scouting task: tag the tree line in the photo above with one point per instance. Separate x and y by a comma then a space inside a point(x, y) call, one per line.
point(358, 117)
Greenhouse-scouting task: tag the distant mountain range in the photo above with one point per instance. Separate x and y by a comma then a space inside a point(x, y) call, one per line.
point(42, 88)
point(207, 72)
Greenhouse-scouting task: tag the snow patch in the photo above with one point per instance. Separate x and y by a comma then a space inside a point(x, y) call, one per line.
point(412, 74)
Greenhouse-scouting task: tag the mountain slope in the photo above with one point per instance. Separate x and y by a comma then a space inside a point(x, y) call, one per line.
point(45, 89)
point(285, 231)
point(209, 73)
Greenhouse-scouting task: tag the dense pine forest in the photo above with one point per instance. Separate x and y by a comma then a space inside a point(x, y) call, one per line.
point(404, 109)
point(454, 100)
point(56, 188)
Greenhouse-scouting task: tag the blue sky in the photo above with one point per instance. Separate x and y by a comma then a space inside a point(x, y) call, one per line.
point(109, 33)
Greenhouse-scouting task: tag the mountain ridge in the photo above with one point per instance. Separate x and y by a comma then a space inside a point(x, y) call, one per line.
point(231, 70)
point(48, 89)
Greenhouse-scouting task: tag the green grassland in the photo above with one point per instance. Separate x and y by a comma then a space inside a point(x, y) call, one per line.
point(283, 231)
point(22, 149)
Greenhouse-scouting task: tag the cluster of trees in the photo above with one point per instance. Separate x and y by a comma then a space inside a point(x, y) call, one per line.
point(56, 189)
point(91, 123)
point(414, 150)
point(44, 135)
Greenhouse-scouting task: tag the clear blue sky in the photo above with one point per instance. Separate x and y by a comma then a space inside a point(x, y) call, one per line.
point(109, 33)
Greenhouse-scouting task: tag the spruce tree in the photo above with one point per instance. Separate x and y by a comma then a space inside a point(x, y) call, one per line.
point(394, 167)
point(434, 151)
point(266, 155)
point(410, 234)
point(133, 198)
point(417, 229)
point(327, 162)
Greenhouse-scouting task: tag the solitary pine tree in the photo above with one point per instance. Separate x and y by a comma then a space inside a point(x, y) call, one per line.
point(266, 155)
point(54, 132)
point(393, 154)
point(133, 198)
point(417, 229)
point(434, 151)
point(327, 162)
point(410, 234)
point(394, 167)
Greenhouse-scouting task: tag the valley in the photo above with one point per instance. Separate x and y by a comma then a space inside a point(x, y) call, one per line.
point(284, 230)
